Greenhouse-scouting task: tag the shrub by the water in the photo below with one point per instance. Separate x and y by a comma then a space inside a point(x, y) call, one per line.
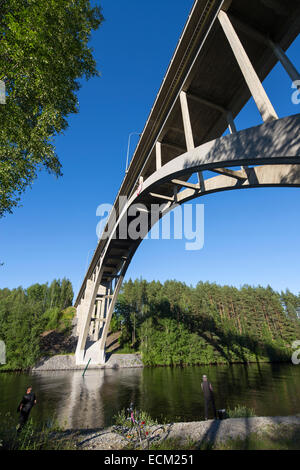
point(47, 436)
point(240, 411)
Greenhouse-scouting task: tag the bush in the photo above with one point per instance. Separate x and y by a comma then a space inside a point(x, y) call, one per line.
point(240, 411)
point(65, 322)
point(48, 436)
point(122, 418)
point(51, 318)
point(125, 349)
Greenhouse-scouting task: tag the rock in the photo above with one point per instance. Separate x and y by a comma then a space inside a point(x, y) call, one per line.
point(210, 432)
point(67, 362)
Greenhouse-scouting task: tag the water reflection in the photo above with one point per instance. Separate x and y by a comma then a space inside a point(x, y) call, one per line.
point(171, 394)
point(89, 401)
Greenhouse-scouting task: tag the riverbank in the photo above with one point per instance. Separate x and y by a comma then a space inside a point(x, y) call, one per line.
point(257, 433)
point(279, 432)
point(114, 361)
point(67, 362)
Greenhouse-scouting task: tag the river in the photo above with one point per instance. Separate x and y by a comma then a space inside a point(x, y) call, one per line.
point(172, 394)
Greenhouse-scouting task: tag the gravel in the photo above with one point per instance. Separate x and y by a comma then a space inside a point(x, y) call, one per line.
point(211, 431)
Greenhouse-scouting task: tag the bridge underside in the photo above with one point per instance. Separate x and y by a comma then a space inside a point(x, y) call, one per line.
point(226, 50)
point(263, 156)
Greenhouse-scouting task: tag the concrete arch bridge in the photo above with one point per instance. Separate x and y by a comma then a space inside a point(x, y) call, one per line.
point(225, 51)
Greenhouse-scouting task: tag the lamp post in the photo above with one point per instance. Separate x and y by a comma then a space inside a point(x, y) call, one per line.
point(128, 147)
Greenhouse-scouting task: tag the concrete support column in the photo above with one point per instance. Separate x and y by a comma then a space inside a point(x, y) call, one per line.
point(158, 155)
point(104, 307)
point(86, 313)
point(285, 61)
point(97, 321)
point(230, 121)
point(186, 122)
point(79, 317)
point(175, 193)
point(93, 321)
point(201, 181)
point(255, 86)
point(109, 311)
point(102, 312)
point(91, 330)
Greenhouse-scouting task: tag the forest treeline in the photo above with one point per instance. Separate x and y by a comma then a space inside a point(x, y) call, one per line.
point(169, 324)
point(26, 313)
point(175, 324)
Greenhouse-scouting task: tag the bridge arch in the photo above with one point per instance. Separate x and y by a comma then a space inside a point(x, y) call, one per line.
point(265, 156)
point(226, 50)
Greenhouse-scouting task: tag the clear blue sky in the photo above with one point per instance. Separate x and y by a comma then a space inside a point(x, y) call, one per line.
point(251, 236)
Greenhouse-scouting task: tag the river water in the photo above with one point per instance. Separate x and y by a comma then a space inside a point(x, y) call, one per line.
point(173, 394)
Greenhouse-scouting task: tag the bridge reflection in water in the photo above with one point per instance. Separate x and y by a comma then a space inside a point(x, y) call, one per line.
point(171, 394)
point(89, 402)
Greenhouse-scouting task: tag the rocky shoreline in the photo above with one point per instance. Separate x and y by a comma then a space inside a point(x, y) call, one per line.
point(211, 432)
point(67, 362)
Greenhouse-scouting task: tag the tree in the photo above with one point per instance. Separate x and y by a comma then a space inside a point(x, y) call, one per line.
point(43, 53)
point(176, 324)
point(26, 313)
point(66, 294)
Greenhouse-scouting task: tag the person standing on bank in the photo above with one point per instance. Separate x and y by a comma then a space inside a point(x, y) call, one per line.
point(208, 397)
point(27, 402)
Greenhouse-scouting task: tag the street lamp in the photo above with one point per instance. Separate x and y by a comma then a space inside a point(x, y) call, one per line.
point(128, 147)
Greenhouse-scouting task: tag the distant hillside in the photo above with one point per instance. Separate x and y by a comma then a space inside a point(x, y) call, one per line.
point(176, 324)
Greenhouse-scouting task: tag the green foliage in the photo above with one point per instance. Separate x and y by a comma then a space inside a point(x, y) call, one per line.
point(43, 53)
point(26, 313)
point(286, 438)
point(273, 439)
point(125, 349)
point(175, 324)
point(51, 318)
point(122, 418)
point(48, 436)
point(115, 324)
point(240, 411)
point(65, 323)
point(57, 319)
point(176, 444)
point(139, 432)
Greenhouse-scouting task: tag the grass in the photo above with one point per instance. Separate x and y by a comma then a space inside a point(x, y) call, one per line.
point(240, 411)
point(138, 435)
point(48, 436)
point(174, 444)
point(272, 440)
point(126, 349)
point(285, 439)
point(121, 418)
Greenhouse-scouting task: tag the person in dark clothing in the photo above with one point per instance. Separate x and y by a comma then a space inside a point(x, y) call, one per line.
point(208, 397)
point(27, 402)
